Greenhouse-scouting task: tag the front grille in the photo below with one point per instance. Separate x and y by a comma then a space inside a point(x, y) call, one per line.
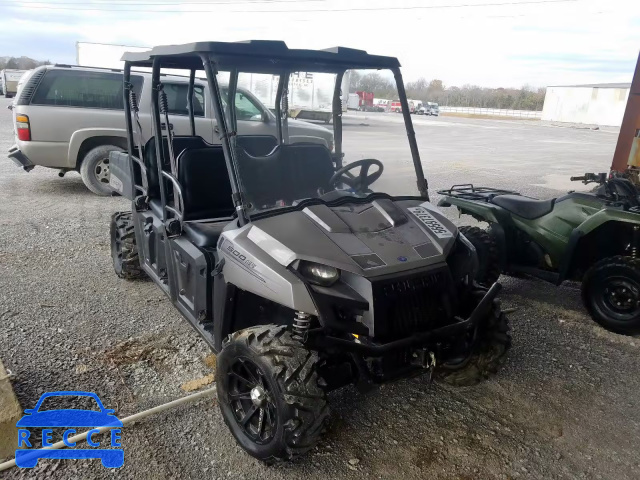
point(410, 305)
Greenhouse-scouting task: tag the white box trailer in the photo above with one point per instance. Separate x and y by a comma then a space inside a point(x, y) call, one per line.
point(9, 79)
point(103, 54)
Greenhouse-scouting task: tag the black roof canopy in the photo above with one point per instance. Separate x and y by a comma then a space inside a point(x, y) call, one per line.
point(261, 56)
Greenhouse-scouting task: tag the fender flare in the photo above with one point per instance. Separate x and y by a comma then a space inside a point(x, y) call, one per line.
point(80, 136)
point(591, 225)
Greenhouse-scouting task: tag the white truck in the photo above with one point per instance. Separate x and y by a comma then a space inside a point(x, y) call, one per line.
point(9, 79)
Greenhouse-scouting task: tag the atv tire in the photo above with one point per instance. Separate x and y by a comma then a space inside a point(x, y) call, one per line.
point(124, 250)
point(611, 294)
point(492, 345)
point(488, 254)
point(267, 363)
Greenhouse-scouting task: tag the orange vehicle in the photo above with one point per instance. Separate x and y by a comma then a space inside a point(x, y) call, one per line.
point(626, 159)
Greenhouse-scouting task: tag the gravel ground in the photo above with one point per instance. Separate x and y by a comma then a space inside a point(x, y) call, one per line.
point(564, 406)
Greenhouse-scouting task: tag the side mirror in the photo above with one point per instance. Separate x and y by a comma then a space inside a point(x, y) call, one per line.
point(265, 117)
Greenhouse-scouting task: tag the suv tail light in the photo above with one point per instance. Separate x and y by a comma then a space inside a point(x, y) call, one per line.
point(23, 128)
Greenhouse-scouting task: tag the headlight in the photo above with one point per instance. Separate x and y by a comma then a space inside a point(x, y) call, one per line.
point(319, 274)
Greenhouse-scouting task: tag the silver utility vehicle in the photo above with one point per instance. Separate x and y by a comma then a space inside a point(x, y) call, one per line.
point(70, 118)
point(304, 269)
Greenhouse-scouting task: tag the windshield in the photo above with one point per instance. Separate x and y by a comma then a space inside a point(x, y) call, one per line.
point(306, 164)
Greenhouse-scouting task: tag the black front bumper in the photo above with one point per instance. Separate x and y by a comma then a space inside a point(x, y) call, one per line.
point(412, 341)
point(20, 159)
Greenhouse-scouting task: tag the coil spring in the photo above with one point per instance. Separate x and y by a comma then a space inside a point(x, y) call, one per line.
point(285, 103)
point(301, 324)
point(163, 102)
point(133, 101)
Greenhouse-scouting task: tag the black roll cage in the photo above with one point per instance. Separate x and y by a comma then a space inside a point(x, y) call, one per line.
point(269, 57)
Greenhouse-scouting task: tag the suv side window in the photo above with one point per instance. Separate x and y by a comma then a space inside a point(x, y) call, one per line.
point(246, 107)
point(78, 88)
point(177, 98)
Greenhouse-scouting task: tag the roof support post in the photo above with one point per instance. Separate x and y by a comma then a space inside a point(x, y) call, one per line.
point(423, 186)
point(229, 153)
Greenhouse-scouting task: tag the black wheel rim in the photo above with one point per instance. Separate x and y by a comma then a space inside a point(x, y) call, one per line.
point(619, 298)
point(251, 401)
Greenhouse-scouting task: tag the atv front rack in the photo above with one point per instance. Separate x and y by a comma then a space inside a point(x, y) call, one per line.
point(468, 192)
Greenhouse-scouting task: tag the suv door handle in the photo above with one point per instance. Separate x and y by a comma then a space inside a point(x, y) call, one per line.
point(163, 126)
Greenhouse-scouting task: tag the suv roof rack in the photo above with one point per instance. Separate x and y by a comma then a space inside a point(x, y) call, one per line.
point(116, 70)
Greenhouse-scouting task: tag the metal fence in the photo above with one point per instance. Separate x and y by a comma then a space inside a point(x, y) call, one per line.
point(498, 112)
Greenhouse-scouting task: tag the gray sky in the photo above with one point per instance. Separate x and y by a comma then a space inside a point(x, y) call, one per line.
point(482, 42)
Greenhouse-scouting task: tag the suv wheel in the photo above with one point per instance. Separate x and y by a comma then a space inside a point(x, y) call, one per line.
point(492, 342)
point(269, 393)
point(124, 250)
point(94, 169)
point(488, 254)
point(611, 294)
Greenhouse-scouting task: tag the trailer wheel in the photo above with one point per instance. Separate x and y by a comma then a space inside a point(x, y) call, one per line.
point(490, 348)
point(611, 294)
point(488, 254)
point(269, 393)
point(124, 251)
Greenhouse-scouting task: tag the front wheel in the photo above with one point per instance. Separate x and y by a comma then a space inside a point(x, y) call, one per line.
point(488, 254)
point(611, 294)
point(270, 394)
point(492, 342)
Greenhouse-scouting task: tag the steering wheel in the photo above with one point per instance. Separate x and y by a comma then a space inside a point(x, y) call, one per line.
point(359, 183)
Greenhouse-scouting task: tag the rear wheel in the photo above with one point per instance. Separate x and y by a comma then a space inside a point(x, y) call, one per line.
point(269, 393)
point(488, 254)
point(492, 342)
point(611, 294)
point(124, 250)
point(95, 170)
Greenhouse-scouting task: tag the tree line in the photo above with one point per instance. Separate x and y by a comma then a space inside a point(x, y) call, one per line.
point(525, 98)
point(20, 63)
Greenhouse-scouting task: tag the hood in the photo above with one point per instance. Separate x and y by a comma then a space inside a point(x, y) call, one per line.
point(371, 239)
point(300, 127)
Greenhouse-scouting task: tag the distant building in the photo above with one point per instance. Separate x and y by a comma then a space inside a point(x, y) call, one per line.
point(597, 104)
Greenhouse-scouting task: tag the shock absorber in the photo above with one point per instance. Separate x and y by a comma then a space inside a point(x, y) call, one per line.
point(635, 240)
point(133, 101)
point(163, 103)
point(301, 324)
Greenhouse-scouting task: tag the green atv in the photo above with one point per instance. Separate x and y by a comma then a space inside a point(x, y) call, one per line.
point(589, 237)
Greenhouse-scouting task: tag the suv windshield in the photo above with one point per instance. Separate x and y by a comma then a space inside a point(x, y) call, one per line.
point(302, 168)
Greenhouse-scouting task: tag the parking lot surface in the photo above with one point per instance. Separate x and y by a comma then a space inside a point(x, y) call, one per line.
point(564, 406)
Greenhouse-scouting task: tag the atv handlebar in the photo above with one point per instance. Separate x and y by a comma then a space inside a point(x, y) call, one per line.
point(591, 177)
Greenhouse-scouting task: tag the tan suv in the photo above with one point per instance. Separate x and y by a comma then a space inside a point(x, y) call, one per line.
point(70, 118)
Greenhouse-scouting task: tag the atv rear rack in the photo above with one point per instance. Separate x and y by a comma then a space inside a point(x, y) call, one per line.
point(467, 191)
